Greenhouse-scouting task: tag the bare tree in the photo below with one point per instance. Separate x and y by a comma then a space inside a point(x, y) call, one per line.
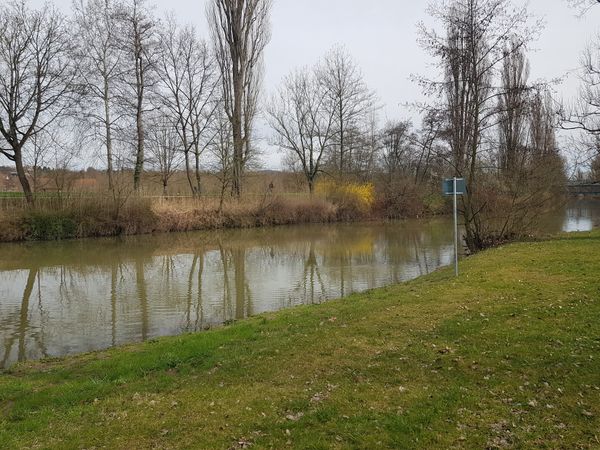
point(65, 143)
point(36, 77)
point(542, 124)
point(240, 31)
point(397, 145)
point(101, 67)
point(583, 6)
point(191, 82)
point(50, 153)
point(302, 122)
point(407, 153)
point(140, 41)
point(363, 141)
point(584, 115)
point(369, 153)
point(512, 105)
point(426, 140)
point(470, 54)
point(221, 150)
point(595, 169)
point(37, 158)
point(165, 150)
point(538, 178)
point(349, 95)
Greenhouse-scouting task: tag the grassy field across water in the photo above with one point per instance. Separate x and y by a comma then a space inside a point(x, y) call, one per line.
point(505, 357)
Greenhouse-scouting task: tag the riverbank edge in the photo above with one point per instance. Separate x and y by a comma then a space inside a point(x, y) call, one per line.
point(145, 216)
point(350, 393)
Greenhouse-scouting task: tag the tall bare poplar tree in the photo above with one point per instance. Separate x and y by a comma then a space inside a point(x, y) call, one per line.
point(36, 78)
point(240, 31)
point(513, 104)
point(542, 124)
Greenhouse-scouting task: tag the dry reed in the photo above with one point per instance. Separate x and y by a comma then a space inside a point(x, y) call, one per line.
point(95, 216)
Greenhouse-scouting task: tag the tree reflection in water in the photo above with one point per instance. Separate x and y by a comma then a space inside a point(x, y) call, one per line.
point(94, 294)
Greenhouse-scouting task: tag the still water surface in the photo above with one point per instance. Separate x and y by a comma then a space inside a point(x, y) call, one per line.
point(61, 298)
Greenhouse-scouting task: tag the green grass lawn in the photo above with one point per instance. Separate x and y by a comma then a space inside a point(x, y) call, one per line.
point(505, 357)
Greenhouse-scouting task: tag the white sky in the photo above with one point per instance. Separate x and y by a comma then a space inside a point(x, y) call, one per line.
point(381, 36)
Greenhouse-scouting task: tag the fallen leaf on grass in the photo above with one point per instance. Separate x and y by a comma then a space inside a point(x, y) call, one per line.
point(242, 443)
point(318, 397)
point(295, 417)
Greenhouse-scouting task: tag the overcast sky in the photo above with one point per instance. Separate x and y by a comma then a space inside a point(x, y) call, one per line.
point(381, 36)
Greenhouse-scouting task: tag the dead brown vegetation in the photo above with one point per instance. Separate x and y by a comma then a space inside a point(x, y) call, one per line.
point(79, 217)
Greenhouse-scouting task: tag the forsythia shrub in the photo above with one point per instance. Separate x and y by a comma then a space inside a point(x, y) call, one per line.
point(352, 199)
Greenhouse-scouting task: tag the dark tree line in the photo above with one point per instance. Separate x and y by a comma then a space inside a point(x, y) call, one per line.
point(149, 92)
point(128, 80)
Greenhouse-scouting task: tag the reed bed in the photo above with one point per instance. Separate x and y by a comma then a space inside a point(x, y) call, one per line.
point(56, 217)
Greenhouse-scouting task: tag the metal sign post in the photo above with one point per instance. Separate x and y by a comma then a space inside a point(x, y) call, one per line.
point(455, 187)
point(455, 198)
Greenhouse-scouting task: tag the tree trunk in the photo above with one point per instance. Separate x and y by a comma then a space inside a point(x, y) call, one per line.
point(341, 138)
point(139, 116)
point(198, 185)
point(238, 148)
point(23, 176)
point(109, 162)
point(472, 226)
point(188, 173)
point(222, 199)
point(139, 159)
point(238, 140)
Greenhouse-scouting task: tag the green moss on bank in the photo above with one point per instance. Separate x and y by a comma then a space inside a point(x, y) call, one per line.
point(505, 357)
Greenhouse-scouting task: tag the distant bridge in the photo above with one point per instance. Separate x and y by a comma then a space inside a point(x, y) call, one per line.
point(584, 189)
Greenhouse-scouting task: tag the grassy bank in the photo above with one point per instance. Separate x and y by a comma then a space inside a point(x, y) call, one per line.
point(505, 357)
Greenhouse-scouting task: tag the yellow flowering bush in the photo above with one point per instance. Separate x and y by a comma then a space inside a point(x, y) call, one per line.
point(351, 198)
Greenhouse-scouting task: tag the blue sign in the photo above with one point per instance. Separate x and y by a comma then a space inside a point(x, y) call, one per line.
point(448, 186)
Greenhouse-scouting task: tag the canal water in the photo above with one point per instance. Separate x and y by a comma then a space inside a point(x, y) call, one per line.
point(61, 298)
